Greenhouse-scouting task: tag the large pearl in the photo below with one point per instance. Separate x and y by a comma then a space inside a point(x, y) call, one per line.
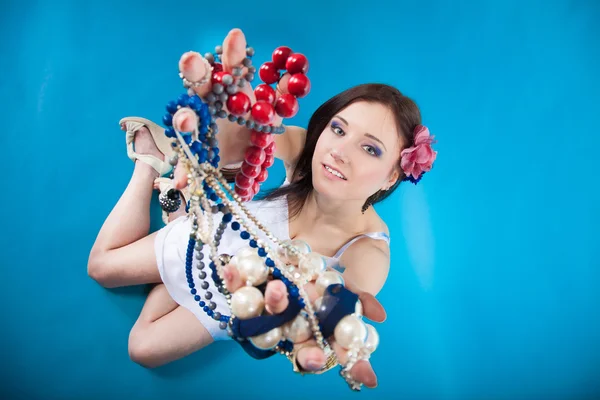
point(267, 340)
point(326, 279)
point(350, 330)
point(312, 264)
point(297, 330)
point(372, 339)
point(245, 251)
point(301, 246)
point(252, 269)
point(247, 302)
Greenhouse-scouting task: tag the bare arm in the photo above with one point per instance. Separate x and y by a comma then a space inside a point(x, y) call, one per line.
point(288, 147)
point(367, 265)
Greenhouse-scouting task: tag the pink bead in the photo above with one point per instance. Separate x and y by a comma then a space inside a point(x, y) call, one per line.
point(262, 176)
point(261, 139)
point(255, 188)
point(269, 161)
point(251, 171)
point(286, 106)
point(268, 73)
point(243, 181)
point(264, 92)
point(218, 77)
point(263, 112)
point(297, 63)
point(243, 192)
point(270, 149)
point(280, 56)
point(299, 85)
point(238, 104)
point(255, 155)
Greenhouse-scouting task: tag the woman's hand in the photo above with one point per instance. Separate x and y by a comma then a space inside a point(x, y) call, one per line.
point(310, 357)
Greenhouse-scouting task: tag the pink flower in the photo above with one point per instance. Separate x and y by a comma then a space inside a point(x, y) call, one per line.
point(419, 158)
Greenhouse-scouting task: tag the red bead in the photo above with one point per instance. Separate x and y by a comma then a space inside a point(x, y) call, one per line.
point(263, 112)
point(268, 73)
point(255, 188)
point(269, 160)
point(243, 192)
point(299, 85)
point(262, 176)
point(217, 67)
point(255, 155)
point(270, 149)
point(297, 63)
point(286, 106)
point(243, 181)
point(238, 104)
point(261, 139)
point(280, 56)
point(264, 92)
point(218, 77)
point(251, 171)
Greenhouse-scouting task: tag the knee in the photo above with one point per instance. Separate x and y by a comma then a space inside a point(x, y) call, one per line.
point(141, 349)
point(97, 269)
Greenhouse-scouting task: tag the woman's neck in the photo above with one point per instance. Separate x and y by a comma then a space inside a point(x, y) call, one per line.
point(343, 215)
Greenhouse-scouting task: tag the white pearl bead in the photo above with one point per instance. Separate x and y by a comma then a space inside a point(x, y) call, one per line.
point(267, 340)
point(372, 339)
point(350, 330)
point(245, 251)
point(252, 269)
point(326, 279)
point(247, 302)
point(297, 330)
point(301, 246)
point(312, 264)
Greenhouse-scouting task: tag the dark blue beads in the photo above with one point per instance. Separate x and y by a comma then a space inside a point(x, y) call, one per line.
point(202, 303)
point(235, 225)
point(172, 107)
point(253, 244)
point(197, 298)
point(183, 99)
point(245, 235)
point(170, 132)
point(168, 120)
point(262, 252)
point(227, 217)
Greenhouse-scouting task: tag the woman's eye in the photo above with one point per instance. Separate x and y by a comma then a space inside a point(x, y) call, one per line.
point(337, 129)
point(374, 151)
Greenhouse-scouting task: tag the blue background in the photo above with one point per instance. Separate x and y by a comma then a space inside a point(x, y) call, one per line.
point(493, 287)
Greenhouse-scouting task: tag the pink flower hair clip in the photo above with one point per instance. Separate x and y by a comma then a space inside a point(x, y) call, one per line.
point(419, 158)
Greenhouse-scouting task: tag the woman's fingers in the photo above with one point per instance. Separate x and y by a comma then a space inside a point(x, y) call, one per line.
point(311, 357)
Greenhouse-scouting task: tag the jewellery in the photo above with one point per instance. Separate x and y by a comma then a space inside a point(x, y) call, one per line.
point(169, 201)
point(337, 313)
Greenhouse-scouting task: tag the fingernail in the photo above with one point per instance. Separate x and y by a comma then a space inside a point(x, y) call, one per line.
point(313, 365)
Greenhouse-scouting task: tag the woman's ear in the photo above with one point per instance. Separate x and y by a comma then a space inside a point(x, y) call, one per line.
point(392, 180)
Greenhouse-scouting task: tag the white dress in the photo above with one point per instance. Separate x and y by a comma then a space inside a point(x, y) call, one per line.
point(171, 245)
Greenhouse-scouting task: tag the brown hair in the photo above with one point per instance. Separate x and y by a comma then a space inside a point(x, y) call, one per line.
point(406, 114)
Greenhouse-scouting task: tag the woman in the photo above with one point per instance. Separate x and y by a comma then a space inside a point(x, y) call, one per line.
point(347, 159)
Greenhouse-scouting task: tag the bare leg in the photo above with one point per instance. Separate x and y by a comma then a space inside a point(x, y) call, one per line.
point(165, 331)
point(123, 253)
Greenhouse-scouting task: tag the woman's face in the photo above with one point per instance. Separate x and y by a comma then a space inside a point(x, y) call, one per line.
point(357, 153)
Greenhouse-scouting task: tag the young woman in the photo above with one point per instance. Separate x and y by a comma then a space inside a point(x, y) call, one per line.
point(357, 148)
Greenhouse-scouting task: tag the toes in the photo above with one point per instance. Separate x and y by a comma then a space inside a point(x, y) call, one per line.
point(185, 120)
point(311, 358)
point(276, 299)
point(233, 280)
